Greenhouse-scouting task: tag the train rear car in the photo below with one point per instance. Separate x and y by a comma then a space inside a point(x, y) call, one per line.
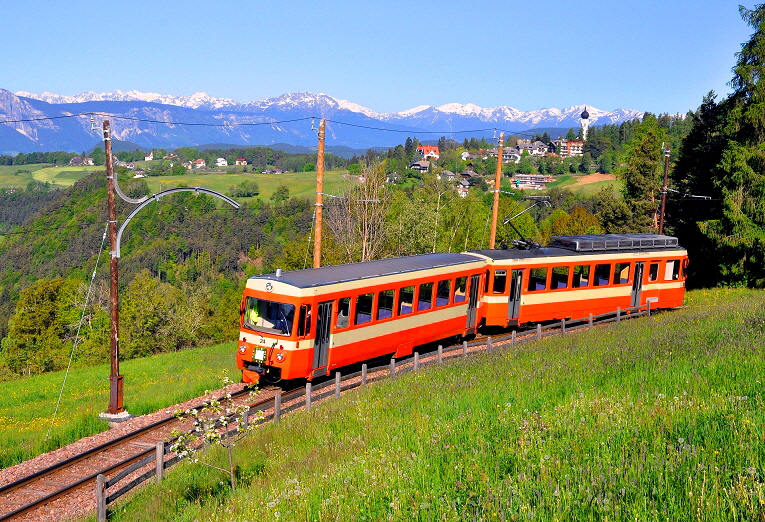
point(578, 275)
point(305, 323)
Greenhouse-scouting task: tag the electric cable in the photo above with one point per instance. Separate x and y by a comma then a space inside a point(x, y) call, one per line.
point(77, 335)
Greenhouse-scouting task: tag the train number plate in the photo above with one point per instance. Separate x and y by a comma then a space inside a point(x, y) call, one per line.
point(259, 355)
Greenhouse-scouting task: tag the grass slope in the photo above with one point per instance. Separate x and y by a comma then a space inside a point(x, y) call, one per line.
point(653, 419)
point(27, 405)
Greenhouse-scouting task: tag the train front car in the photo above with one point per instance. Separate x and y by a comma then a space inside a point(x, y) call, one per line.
point(578, 275)
point(305, 323)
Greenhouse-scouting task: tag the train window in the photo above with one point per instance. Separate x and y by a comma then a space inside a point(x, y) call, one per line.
point(653, 272)
point(385, 304)
point(672, 270)
point(442, 292)
point(500, 281)
point(486, 283)
point(405, 300)
point(602, 275)
point(581, 276)
point(343, 312)
point(537, 279)
point(460, 289)
point(304, 320)
point(622, 274)
point(364, 308)
point(268, 316)
point(425, 296)
point(559, 277)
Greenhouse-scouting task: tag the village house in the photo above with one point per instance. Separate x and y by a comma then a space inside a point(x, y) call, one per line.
point(149, 156)
point(422, 166)
point(221, 162)
point(241, 161)
point(427, 152)
point(200, 163)
point(566, 148)
point(536, 148)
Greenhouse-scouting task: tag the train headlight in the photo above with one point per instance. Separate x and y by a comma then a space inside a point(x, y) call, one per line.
point(242, 349)
point(280, 357)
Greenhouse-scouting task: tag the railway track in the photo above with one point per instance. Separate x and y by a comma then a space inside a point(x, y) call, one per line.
point(23, 498)
point(77, 475)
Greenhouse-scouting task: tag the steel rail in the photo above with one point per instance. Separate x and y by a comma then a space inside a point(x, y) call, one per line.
point(90, 453)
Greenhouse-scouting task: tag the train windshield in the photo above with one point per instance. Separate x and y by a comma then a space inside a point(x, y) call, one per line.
point(268, 316)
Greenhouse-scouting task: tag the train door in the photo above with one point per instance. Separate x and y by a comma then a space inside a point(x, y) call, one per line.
point(637, 284)
point(514, 301)
point(321, 345)
point(473, 302)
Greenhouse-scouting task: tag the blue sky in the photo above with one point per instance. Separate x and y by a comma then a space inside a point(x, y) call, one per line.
point(660, 56)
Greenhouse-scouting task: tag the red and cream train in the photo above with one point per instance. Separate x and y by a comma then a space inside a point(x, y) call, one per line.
point(305, 323)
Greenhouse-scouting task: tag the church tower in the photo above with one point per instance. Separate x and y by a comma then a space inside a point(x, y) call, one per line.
point(585, 123)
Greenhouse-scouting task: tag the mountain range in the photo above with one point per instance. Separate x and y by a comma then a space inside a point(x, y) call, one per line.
point(48, 122)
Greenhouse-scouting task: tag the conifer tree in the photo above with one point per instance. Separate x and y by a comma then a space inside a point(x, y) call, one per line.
point(733, 144)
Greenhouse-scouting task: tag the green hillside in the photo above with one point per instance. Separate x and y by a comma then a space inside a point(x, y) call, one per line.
point(653, 419)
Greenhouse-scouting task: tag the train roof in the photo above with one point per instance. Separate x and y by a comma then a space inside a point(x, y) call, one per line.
point(328, 275)
point(594, 244)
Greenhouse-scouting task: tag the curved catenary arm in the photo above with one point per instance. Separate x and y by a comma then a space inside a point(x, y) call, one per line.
point(148, 199)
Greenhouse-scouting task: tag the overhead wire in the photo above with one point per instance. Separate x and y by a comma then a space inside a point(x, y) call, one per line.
point(272, 122)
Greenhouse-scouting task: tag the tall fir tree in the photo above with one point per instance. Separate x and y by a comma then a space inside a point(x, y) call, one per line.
point(734, 147)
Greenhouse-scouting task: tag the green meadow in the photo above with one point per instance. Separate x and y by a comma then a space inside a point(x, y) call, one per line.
point(300, 184)
point(27, 406)
point(18, 176)
point(656, 418)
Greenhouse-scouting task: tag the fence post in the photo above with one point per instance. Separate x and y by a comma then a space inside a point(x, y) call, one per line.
point(648, 308)
point(337, 385)
point(101, 498)
point(589, 323)
point(513, 338)
point(618, 314)
point(539, 331)
point(440, 354)
point(277, 407)
point(393, 367)
point(308, 396)
point(246, 419)
point(364, 374)
point(488, 343)
point(416, 360)
point(160, 459)
point(464, 347)
point(563, 325)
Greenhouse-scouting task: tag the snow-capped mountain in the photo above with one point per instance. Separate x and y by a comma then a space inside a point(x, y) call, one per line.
point(282, 119)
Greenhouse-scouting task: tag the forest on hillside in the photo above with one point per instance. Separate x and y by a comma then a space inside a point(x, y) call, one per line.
point(185, 261)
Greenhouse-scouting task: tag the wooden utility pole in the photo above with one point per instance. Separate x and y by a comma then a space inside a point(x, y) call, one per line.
point(319, 196)
point(115, 379)
point(497, 179)
point(664, 190)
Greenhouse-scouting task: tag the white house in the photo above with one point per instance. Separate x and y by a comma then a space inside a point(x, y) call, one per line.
point(149, 156)
point(221, 162)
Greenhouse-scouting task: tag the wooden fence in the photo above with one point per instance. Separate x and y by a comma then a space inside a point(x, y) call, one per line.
point(313, 393)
